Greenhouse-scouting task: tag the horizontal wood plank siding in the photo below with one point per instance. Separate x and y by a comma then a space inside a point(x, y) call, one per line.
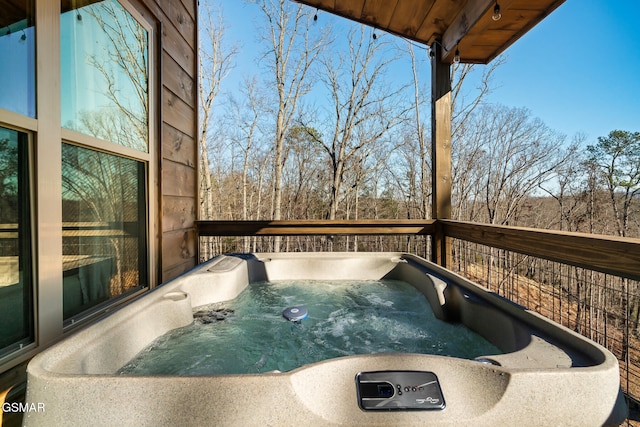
point(178, 113)
point(176, 67)
point(181, 19)
point(178, 146)
point(178, 179)
point(179, 252)
point(178, 213)
point(178, 81)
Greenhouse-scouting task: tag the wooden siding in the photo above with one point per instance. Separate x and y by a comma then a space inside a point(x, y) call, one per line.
point(177, 155)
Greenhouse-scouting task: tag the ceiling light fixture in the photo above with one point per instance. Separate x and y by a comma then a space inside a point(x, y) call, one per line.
point(497, 14)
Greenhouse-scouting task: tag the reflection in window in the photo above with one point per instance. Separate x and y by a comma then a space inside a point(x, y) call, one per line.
point(17, 51)
point(16, 317)
point(104, 55)
point(104, 232)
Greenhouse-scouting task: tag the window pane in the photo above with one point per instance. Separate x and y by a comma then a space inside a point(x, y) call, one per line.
point(104, 56)
point(16, 305)
point(17, 54)
point(104, 233)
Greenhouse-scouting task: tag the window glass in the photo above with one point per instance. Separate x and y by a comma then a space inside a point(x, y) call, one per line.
point(16, 315)
point(17, 54)
point(104, 231)
point(104, 55)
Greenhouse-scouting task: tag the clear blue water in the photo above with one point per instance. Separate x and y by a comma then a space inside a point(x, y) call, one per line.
point(345, 318)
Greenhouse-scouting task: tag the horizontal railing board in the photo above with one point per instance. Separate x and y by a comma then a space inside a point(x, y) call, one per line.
point(619, 256)
point(314, 227)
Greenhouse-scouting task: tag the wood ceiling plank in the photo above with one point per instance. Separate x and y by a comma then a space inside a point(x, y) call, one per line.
point(378, 12)
point(466, 19)
point(474, 45)
point(538, 5)
point(350, 8)
point(512, 21)
point(544, 10)
point(325, 4)
point(409, 15)
point(438, 19)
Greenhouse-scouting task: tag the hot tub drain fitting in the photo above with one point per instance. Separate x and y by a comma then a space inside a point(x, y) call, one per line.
point(296, 313)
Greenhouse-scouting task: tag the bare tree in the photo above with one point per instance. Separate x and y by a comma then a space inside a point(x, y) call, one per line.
point(468, 150)
point(424, 149)
point(365, 107)
point(216, 61)
point(521, 153)
point(244, 122)
point(565, 188)
point(290, 54)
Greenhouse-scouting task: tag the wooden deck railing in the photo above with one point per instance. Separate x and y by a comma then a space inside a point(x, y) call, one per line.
point(314, 227)
point(618, 256)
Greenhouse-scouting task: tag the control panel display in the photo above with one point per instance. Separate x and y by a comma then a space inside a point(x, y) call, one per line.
point(399, 390)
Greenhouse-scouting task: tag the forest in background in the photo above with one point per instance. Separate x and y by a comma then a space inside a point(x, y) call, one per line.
point(323, 131)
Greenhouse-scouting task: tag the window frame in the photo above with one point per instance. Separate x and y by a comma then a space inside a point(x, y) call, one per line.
point(148, 158)
point(29, 343)
point(45, 137)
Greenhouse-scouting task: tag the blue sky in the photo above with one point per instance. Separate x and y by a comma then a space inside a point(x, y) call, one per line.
point(578, 70)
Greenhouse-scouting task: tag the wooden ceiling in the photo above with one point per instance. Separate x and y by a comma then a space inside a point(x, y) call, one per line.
point(463, 25)
point(13, 12)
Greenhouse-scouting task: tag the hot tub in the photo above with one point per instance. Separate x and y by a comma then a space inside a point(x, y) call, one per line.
point(543, 373)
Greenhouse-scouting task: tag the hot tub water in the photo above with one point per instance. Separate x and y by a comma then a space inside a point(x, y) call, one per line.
point(344, 318)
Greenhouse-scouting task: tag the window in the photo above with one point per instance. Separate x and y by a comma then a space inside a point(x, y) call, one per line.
point(104, 56)
point(17, 50)
point(105, 156)
point(104, 232)
point(16, 304)
point(77, 165)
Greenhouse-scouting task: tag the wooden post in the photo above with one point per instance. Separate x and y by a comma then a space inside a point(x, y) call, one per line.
point(440, 151)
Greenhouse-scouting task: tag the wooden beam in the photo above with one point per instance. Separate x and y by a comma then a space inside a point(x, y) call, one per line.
point(314, 227)
point(462, 24)
point(618, 256)
point(440, 149)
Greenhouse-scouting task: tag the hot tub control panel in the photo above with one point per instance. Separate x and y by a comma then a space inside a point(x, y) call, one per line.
point(399, 391)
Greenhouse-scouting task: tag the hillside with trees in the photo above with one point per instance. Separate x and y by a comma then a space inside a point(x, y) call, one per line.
point(327, 131)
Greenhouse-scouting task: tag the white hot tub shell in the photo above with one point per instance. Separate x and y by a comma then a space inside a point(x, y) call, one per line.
point(547, 374)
